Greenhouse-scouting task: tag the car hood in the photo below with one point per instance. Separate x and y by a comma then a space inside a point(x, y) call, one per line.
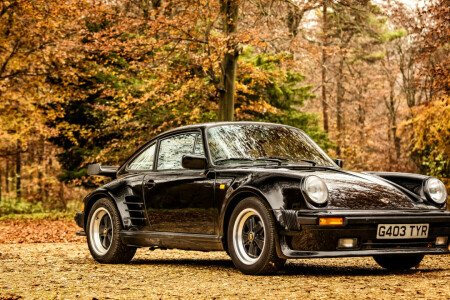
point(351, 190)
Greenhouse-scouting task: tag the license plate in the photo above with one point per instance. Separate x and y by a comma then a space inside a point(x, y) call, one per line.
point(402, 231)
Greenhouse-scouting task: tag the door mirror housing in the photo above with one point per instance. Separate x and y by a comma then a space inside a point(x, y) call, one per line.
point(339, 162)
point(191, 161)
point(97, 169)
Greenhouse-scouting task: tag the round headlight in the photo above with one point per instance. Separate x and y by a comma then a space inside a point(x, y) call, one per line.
point(315, 190)
point(435, 191)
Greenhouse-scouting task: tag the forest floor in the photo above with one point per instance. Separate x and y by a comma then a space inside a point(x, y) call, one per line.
point(63, 268)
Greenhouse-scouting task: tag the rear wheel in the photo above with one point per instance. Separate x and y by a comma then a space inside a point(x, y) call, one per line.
point(398, 262)
point(103, 227)
point(252, 238)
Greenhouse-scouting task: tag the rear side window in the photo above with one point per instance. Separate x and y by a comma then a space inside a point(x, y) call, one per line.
point(144, 161)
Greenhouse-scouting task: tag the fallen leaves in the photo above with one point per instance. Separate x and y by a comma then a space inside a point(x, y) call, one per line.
point(67, 270)
point(30, 269)
point(38, 231)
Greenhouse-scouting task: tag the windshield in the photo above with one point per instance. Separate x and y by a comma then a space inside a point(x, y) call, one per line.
point(237, 144)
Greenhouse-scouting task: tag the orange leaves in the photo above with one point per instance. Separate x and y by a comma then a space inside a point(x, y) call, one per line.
point(433, 54)
point(429, 133)
point(260, 107)
point(114, 74)
point(30, 33)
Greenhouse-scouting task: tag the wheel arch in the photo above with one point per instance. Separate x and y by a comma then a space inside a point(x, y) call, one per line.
point(231, 205)
point(90, 201)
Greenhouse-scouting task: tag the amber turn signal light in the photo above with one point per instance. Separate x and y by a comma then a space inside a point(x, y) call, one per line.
point(82, 206)
point(331, 221)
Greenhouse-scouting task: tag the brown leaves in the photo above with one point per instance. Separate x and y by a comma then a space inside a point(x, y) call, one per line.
point(429, 136)
point(433, 33)
point(68, 271)
point(38, 231)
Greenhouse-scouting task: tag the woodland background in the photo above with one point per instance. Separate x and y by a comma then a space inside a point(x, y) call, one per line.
point(90, 81)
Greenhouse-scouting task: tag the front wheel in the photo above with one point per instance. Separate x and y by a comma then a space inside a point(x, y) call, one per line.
point(252, 238)
point(398, 262)
point(103, 227)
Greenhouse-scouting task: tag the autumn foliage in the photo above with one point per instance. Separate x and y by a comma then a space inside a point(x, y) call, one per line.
point(88, 81)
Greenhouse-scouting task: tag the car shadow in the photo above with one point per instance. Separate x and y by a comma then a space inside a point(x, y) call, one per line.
point(222, 263)
point(295, 269)
point(290, 269)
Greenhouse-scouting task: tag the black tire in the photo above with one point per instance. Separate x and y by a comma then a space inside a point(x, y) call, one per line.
point(252, 212)
point(106, 247)
point(398, 262)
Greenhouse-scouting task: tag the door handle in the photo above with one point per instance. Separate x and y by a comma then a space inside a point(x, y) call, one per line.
point(150, 183)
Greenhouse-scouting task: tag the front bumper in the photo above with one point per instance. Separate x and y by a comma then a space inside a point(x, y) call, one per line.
point(305, 238)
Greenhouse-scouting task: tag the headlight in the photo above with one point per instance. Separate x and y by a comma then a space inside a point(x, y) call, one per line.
point(315, 190)
point(435, 191)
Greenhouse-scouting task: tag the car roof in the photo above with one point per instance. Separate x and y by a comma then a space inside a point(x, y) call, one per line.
point(200, 126)
point(213, 124)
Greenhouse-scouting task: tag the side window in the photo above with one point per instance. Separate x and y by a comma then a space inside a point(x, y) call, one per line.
point(198, 149)
point(144, 161)
point(172, 149)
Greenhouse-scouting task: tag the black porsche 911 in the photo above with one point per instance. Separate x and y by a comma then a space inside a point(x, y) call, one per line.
point(264, 193)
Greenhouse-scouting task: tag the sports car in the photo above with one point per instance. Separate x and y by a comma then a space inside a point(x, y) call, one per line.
point(263, 193)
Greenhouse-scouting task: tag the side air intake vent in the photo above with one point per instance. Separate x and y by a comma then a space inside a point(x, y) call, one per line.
point(136, 210)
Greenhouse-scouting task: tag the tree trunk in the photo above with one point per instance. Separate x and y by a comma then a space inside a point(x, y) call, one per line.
point(293, 19)
point(7, 175)
point(61, 194)
point(394, 125)
point(230, 12)
point(145, 6)
point(1, 182)
point(361, 121)
point(324, 69)
point(392, 114)
point(339, 100)
point(18, 171)
point(40, 157)
point(396, 139)
point(389, 148)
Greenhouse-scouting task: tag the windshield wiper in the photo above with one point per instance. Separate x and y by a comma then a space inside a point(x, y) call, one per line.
point(280, 160)
point(233, 158)
point(309, 161)
point(276, 159)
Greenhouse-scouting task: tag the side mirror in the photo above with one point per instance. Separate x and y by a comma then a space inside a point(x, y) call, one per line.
point(339, 162)
point(191, 161)
point(97, 169)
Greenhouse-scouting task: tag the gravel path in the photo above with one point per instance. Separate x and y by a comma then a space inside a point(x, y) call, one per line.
point(66, 270)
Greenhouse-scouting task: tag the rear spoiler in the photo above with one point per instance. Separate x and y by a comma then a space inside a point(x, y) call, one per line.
point(108, 171)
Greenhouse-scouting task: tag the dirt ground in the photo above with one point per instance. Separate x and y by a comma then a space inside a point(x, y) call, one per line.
point(66, 270)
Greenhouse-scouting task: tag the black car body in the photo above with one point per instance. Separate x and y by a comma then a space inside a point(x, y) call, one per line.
point(191, 207)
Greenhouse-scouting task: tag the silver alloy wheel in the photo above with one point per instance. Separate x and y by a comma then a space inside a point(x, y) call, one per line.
point(248, 236)
point(101, 231)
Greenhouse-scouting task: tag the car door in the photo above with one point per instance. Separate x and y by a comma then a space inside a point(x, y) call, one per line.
point(178, 199)
point(136, 170)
